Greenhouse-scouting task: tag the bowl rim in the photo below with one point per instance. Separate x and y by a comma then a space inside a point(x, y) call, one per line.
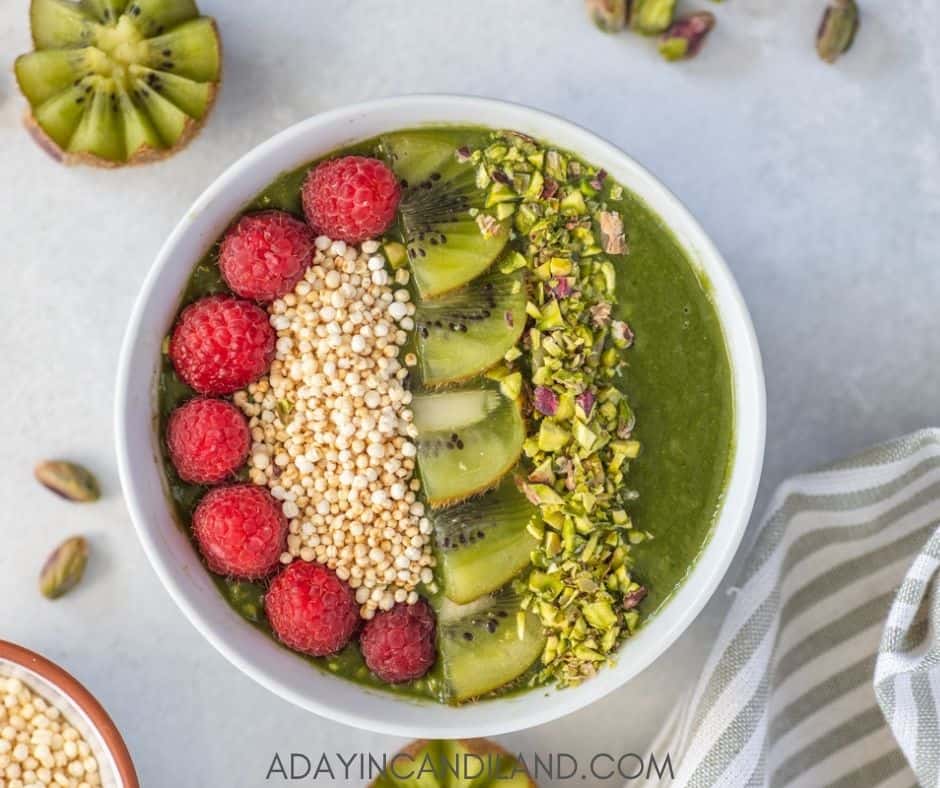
point(745, 465)
point(71, 687)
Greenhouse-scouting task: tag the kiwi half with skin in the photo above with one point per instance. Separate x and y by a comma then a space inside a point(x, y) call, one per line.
point(461, 763)
point(116, 82)
point(466, 332)
point(484, 542)
point(488, 644)
point(449, 238)
point(468, 439)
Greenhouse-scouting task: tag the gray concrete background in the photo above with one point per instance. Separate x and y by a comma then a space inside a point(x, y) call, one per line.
point(819, 184)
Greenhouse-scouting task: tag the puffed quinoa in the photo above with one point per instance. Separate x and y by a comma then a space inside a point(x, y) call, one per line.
point(332, 434)
point(38, 747)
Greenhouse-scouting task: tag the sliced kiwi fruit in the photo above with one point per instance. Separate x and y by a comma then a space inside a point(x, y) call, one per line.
point(484, 542)
point(453, 763)
point(448, 236)
point(114, 82)
point(488, 647)
point(466, 332)
point(468, 439)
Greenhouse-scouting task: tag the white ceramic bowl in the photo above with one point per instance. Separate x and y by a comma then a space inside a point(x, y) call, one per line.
point(173, 556)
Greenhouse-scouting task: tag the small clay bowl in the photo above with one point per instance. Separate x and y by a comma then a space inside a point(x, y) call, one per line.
point(79, 707)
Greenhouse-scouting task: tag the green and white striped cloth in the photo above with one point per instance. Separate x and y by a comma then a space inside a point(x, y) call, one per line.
point(826, 671)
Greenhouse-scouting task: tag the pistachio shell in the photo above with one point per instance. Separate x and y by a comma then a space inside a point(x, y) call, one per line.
point(609, 15)
point(64, 568)
point(71, 481)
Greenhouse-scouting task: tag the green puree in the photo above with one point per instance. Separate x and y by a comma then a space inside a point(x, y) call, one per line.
point(677, 380)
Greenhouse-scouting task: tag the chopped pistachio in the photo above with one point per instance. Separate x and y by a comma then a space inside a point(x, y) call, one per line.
point(511, 385)
point(580, 445)
point(489, 226)
point(550, 316)
point(544, 494)
point(600, 614)
point(651, 17)
point(500, 193)
point(284, 408)
point(573, 204)
point(552, 436)
point(584, 436)
point(686, 36)
point(556, 165)
point(613, 238)
point(396, 254)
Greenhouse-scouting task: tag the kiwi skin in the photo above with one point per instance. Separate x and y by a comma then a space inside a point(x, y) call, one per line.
point(478, 747)
point(145, 155)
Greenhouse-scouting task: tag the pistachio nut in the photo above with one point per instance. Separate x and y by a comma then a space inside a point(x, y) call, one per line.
point(71, 481)
point(609, 15)
point(64, 568)
point(837, 29)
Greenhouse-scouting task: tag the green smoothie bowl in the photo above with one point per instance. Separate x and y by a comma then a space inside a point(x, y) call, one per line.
point(440, 416)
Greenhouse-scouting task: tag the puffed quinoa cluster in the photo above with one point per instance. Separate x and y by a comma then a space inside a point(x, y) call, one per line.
point(37, 745)
point(333, 436)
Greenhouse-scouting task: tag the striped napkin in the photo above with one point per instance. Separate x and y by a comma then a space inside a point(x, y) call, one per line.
point(826, 671)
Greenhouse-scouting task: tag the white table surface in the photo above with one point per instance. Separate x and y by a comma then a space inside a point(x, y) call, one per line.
point(820, 184)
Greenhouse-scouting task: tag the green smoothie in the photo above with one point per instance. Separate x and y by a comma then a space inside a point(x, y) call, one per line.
point(676, 377)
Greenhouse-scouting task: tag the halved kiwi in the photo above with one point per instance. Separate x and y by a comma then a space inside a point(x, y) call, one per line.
point(449, 238)
point(468, 439)
point(484, 542)
point(114, 82)
point(466, 332)
point(489, 646)
point(461, 763)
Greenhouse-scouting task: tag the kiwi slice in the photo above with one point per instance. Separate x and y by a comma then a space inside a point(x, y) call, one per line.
point(488, 646)
point(468, 439)
point(466, 332)
point(454, 763)
point(114, 82)
point(484, 542)
point(448, 236)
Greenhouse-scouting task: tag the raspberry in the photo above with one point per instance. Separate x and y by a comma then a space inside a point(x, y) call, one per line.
point(311, 610)
point(208, 440)
point(222, 343)
point(265, 254)
point(240, 530)
point(351, 199)
point(399, 645)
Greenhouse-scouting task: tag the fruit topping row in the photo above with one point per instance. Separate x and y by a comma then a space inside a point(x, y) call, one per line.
point(513, 246)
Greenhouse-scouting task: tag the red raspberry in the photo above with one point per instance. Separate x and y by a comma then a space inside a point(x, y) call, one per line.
point(399, 645)
point(221, 344)
point(311, 610)
point(208, 440)
point(351, 199)
point(265, 254)
point(240, 530)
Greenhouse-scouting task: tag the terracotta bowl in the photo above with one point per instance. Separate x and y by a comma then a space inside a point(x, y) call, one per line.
point(80, 708)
